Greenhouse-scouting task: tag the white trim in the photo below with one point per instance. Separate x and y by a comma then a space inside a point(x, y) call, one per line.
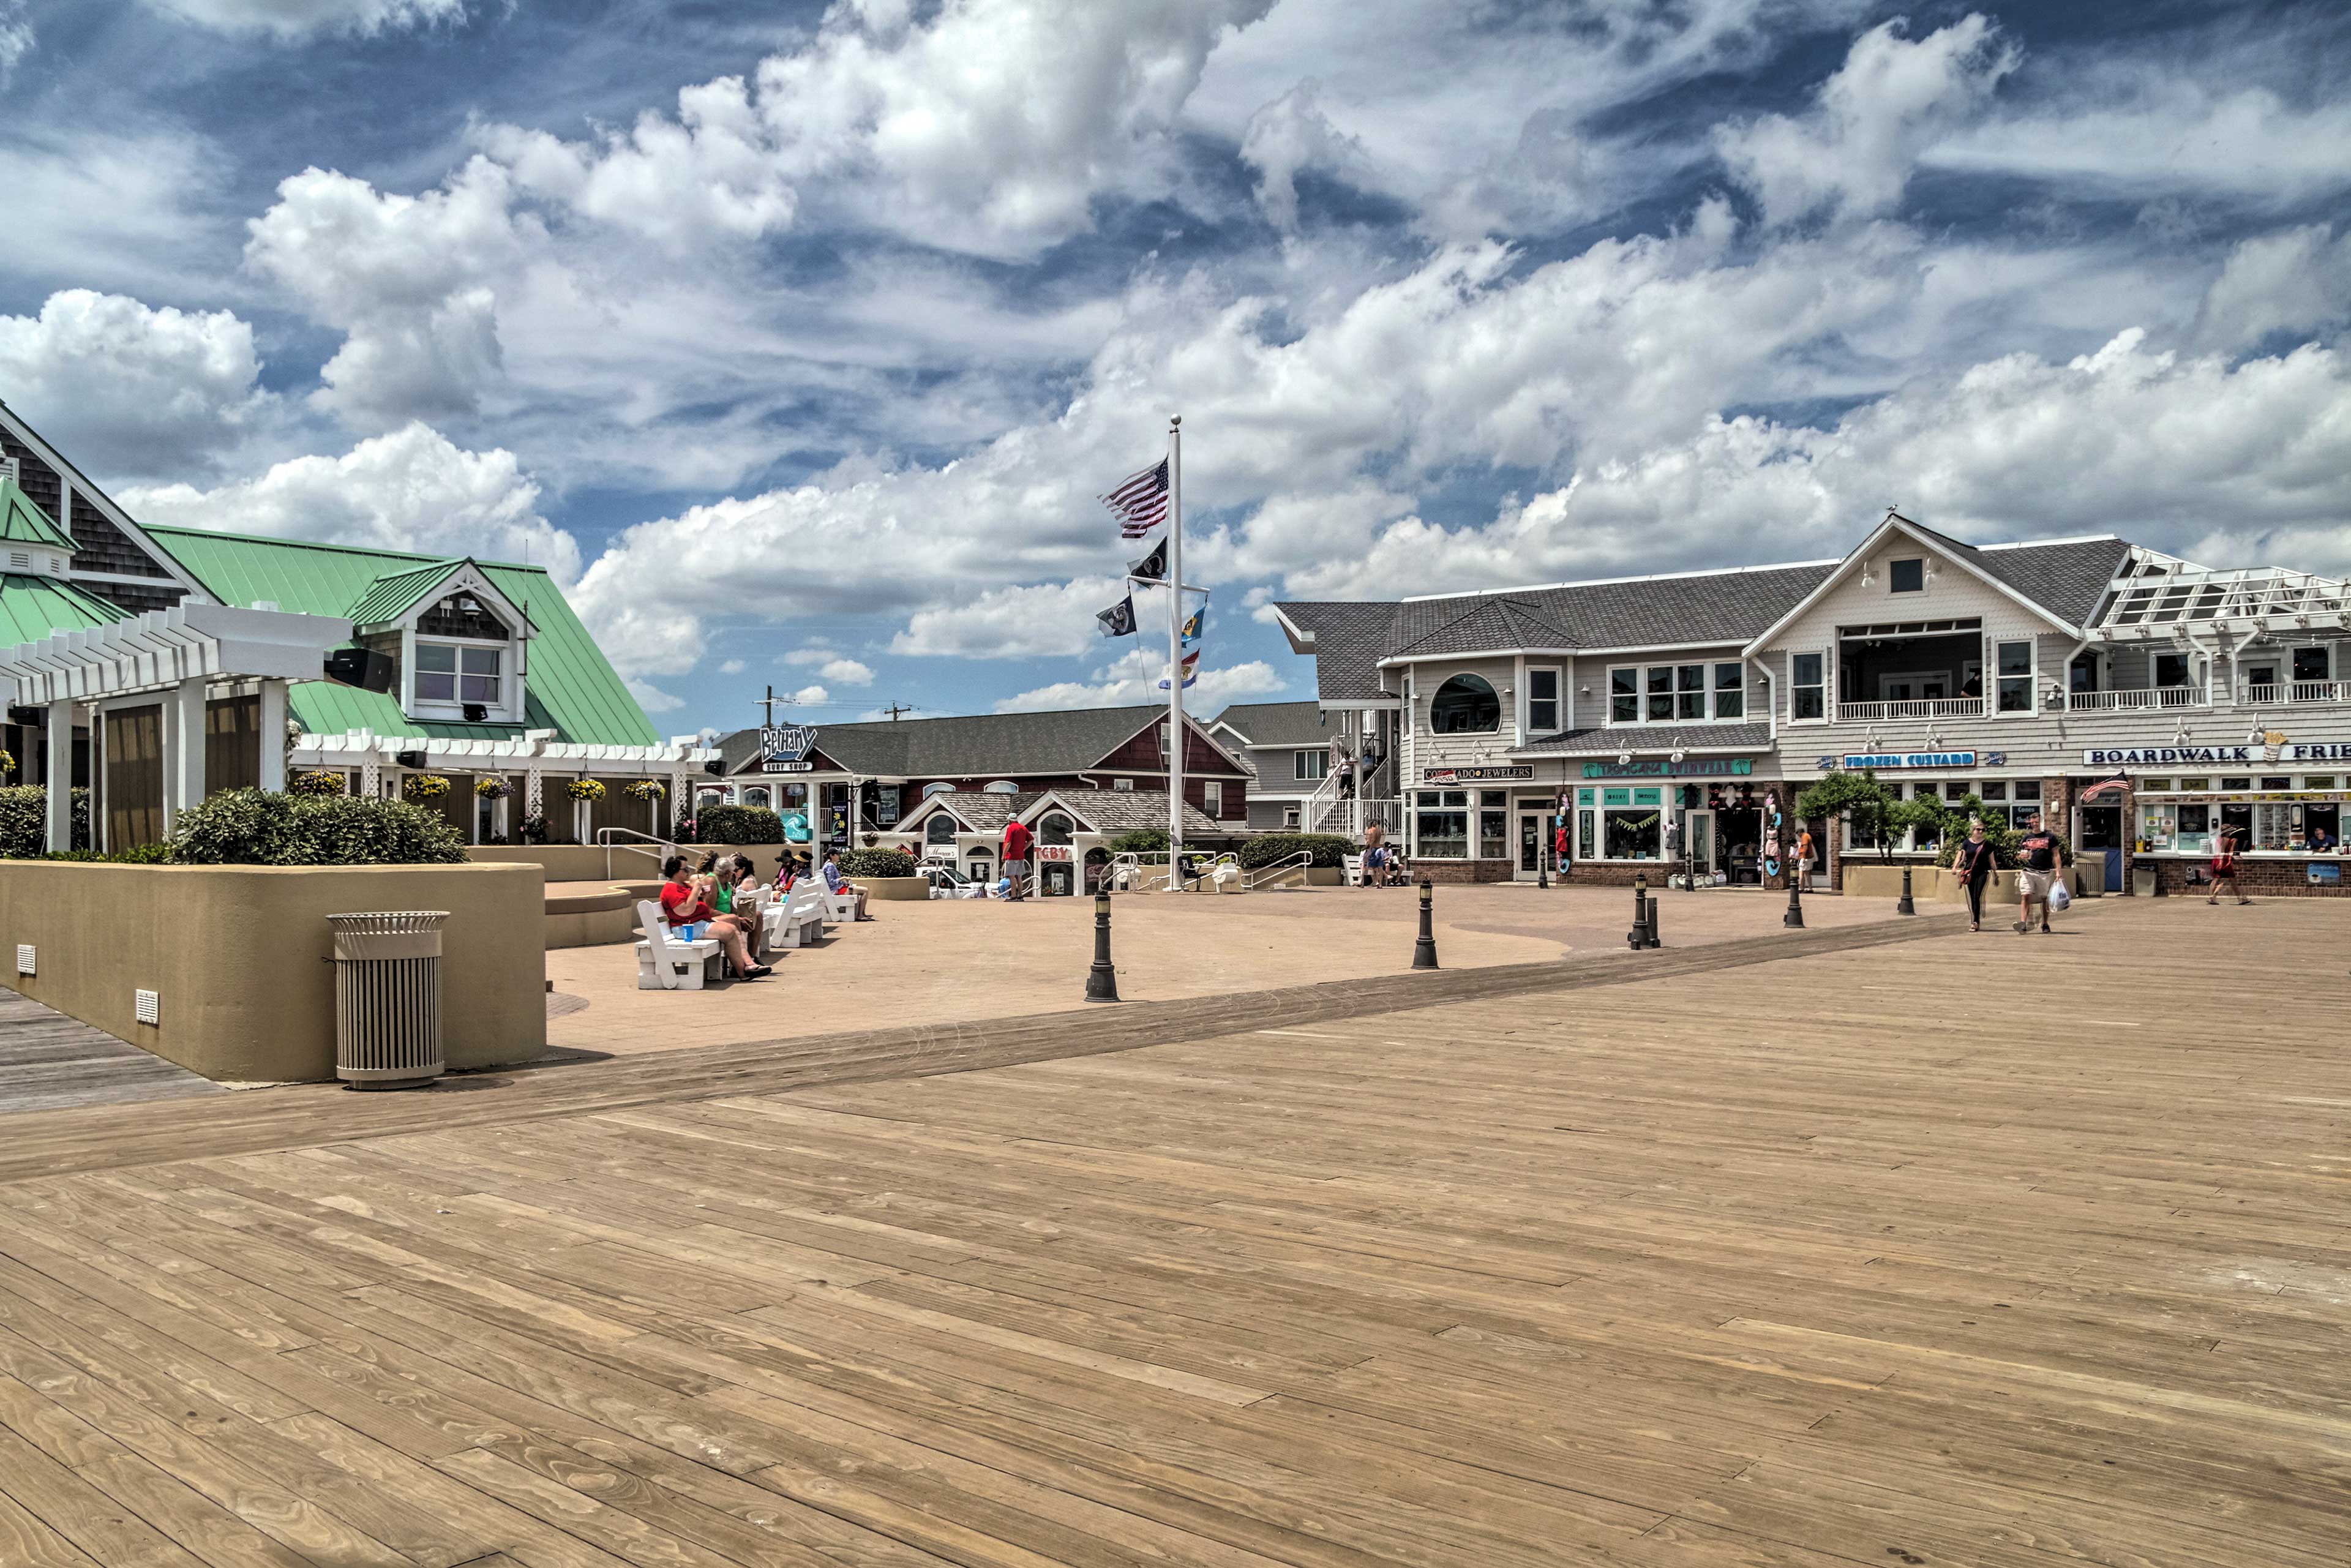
point(1395, 659)
point(1606, 581)
point(1895, 522)
point(1498, 716)
point(74, 478)
point(1827, 688)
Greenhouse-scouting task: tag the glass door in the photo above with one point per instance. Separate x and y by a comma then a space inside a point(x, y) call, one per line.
point(1535, 844)
point(1701, 844)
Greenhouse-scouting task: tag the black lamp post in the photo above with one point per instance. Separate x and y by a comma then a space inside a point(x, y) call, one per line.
point(1101, 980)
point(1424, 952)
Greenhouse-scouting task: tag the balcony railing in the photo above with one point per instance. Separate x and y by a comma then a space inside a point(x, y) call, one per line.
point(2296, 691)
point(2149, 697)
point(1924, 707)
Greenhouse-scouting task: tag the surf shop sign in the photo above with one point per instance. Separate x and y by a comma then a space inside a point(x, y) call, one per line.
point(784, 749)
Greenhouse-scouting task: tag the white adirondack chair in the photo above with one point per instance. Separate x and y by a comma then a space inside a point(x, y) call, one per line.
point(666, 963)
point(837, 906)
point(1354, 869)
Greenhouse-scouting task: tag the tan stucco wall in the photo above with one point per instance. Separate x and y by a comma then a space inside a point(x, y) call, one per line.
point(239, 957)
point(582, 862)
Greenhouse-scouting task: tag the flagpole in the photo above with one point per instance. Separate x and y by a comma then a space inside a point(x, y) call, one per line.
point(1175, 648)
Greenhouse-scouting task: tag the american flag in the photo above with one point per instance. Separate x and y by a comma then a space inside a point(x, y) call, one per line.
point(1140, 501)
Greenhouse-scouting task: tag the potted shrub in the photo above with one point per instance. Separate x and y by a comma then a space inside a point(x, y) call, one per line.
point(886, 874)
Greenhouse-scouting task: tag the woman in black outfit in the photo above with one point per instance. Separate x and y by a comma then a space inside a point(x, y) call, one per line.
point(1973, 864)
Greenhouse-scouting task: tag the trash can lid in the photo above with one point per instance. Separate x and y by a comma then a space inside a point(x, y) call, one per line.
point(390, 922)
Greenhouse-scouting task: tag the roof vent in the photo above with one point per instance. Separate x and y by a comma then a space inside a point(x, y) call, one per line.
point(20, 561)
point(264, 604)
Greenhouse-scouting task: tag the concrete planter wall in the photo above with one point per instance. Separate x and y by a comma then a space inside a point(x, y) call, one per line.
point(896, 889)
point(239, 957)
point(583, 863)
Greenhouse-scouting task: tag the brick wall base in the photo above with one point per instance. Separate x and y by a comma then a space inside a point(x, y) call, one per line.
point(2260, 879)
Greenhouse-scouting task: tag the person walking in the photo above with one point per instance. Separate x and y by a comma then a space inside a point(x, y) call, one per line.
point(1973, 866)
point(2225, 865)
point(1804, 851)
point(1375, 855)
point(2039, 863)
point(1016, 858)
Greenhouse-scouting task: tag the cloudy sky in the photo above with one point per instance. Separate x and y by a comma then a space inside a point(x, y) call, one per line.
point(799, 339)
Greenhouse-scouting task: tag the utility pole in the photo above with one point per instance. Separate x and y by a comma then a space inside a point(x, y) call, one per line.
point(894, 709)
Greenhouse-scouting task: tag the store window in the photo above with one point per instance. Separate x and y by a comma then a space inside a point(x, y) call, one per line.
point(1493, 825)
point(1623, 696)
point(2082, 674)
point(1632, 824)
point(2015, 676)
point(448, 673)
point(1465, 705)
point(1808, 685)
point(1659, 686)
point(1542, 702)
point(2309, 665)
point(1587, 825)
point(1730, 691)
point(1908, 577)
point(939, 830)
point(756, 795)
point(1689, 691)
point(1212, 798)
point(2322, 826)
point(2171, 669)
point(1443, 818)
point(1311, 767)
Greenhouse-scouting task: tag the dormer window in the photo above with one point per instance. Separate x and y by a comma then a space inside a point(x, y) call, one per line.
point(1906, 576)
point(448, 673)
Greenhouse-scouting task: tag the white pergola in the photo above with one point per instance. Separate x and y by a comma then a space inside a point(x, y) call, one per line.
point(2154, 595)
point(535, 754)
point(175, 657)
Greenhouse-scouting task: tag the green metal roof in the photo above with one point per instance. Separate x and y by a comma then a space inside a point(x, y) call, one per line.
point(571, 687)
point(22, 522)
point(395, 593)
point(32, 607)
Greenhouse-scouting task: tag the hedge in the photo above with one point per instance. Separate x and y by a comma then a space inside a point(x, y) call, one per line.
point(1140, 841)
point(24, 813)
point(249, 827)
point(877, 862)
point(1267, 848)
point(736, 825)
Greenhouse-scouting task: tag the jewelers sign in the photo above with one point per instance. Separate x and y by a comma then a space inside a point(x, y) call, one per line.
point(1475, 775)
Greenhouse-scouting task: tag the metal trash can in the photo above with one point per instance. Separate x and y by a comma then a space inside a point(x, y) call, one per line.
point(388, 999)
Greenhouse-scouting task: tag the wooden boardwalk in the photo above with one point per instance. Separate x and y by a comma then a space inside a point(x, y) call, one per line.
point(1995, 1252)
point(49, 1061)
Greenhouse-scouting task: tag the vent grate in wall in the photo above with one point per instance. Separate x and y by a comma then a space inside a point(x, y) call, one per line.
point(24, 958)
point(149, 1006)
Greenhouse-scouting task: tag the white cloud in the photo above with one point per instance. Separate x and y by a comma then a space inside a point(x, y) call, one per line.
point(831, 664)
point(129, 389)
point(988, 127)
point(651, 698)
point(411, 490)
point(295, 19)
point(409, 280)
point(732, 667)
point(118, 209)
point(811, 696)
point(16, 38)
point(1135, 677)
point(2282, 282)
point(1022, 621)
point(1853, 152)
point(1287, 137)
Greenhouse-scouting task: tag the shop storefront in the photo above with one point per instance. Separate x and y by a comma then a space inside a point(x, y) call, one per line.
point(2286, 803)
point(1708, 817)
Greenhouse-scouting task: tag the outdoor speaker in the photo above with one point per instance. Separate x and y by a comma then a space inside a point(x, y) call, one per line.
point(362, 667)
point(715, 767)
point(28, 715)
point(408, 759)
point(478, 712)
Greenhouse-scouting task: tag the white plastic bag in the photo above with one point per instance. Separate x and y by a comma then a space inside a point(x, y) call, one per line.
point(2058, 897)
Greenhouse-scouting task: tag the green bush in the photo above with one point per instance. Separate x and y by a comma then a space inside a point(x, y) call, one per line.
point(1267, 848)
point(877, 862)
point(2001, 837)
point(23, 810)
point(736, 825)
point(248, 826)
point(1140, 841)
point(144, 854)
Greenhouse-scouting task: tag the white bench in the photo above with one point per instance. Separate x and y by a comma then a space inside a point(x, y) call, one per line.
point(1353, 865)
point(666, 963)
point(799, 918)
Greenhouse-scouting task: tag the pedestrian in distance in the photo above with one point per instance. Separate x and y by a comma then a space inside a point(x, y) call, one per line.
point(1805, 849)
point(1973, 866)
point(2225, 864)
point(2039, 863)
point(1016, 859)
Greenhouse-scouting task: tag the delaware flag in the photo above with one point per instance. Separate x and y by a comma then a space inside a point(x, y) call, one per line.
point(1192, 626)
point(1191, 670)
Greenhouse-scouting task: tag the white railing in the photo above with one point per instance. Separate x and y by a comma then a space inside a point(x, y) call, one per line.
point(1317, 806)
point(608, 840)
point(2296, 691)
point(2148, 698)
point(1920, 707)
point(1282, 867)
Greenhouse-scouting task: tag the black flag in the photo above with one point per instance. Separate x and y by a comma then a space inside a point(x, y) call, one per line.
point(1152, 568)
point(1118, 620)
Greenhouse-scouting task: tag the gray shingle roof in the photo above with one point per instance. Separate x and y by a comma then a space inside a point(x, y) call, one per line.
point(1488, 624)
point(1279, 724)
point(2069, 578)
point(1104, 810)
point(1350, 639)
point(1642, 739)
point(1007, 743)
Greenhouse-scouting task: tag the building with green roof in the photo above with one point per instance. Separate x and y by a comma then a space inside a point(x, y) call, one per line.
point(449, 666)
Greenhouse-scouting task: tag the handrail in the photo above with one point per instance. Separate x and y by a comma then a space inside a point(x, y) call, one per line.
point(604, 840)
point(1303, 859)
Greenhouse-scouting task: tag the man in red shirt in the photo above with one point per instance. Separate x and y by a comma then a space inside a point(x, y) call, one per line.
point(685, 907)
point(1015, 857)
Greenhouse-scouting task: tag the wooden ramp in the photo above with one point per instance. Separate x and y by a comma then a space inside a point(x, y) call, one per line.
point(49, 1061)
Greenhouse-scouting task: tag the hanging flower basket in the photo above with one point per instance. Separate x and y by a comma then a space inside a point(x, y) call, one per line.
point(584, 790)
point(492, 788)
point(646, 790)
point(423, 787)
point(315, 781)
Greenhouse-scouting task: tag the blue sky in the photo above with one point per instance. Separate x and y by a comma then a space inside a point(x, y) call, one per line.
point(799, 339)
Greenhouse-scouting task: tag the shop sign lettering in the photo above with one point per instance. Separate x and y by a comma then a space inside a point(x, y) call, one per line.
point(1475, 775)
point(1052, 851)
point(1881, 761)
point(782, 748)
point(2166, 756)
point(1666, 768)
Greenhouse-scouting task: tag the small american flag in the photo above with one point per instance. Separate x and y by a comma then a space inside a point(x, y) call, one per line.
point(1140, 501)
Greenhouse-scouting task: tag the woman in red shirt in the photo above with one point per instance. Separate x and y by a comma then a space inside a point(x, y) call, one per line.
point(685, 904)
